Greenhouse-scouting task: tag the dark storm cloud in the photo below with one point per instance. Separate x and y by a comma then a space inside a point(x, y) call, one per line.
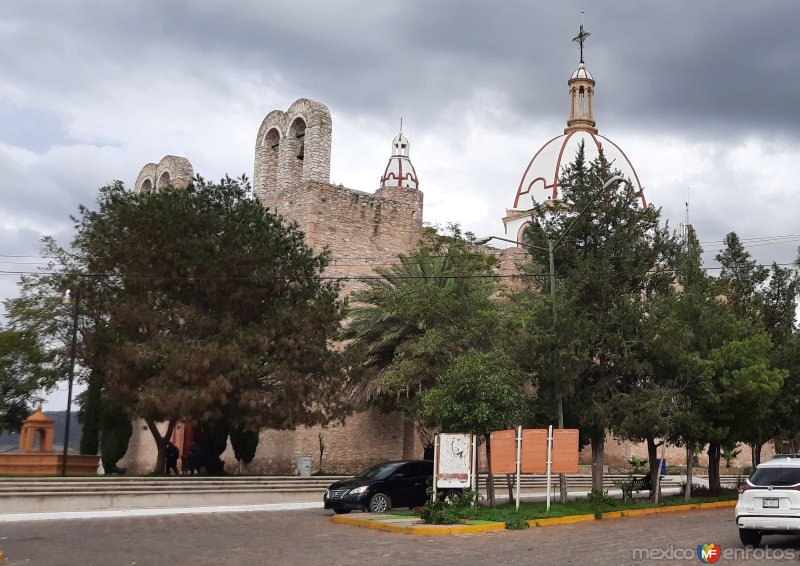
point(141, 77)
point(677, 64)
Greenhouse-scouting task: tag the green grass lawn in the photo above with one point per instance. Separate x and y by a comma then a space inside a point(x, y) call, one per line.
point(507, 513)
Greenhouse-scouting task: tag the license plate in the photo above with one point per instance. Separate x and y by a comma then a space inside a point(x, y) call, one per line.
point(770, 503)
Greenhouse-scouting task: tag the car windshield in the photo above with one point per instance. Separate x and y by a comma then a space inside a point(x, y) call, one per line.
point(379, 472)
point(776, 476)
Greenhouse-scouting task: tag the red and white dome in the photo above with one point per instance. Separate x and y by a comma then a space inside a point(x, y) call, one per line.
point(540, 179)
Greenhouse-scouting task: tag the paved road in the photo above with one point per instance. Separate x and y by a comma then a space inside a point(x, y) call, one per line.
point(298, 538)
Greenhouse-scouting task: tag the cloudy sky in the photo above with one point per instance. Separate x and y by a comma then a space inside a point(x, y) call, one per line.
point(704, 97)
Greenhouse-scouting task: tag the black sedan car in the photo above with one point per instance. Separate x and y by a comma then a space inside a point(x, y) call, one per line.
point(381, 487)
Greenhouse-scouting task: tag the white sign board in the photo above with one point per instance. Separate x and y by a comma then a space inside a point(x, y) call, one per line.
point(454, 461)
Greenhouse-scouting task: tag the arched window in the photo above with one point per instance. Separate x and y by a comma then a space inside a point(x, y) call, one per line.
point(164, 181)
point(272, 142)
point(147, 186)
point(296, 148)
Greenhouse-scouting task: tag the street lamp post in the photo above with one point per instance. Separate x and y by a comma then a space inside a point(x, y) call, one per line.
point(550, 249)
point(73, 347)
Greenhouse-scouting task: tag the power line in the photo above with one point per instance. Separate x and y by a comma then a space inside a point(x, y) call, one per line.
point(346, 277)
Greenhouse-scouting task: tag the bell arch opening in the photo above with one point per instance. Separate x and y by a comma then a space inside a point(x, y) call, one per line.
point(164, 181)
point(296, 148)
point(269, 155)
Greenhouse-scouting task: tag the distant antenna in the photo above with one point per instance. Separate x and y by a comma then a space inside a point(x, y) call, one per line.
point(687, 204)
point(687, 228)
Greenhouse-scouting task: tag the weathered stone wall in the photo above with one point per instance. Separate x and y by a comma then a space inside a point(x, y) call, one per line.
point(365, 439)
point(141, 455)
point(361, 230)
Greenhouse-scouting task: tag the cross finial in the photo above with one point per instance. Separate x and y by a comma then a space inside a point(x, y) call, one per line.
point(581, 37)
point(401, 124)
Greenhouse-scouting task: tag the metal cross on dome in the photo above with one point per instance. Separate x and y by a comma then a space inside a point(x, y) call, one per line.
point(581, 37)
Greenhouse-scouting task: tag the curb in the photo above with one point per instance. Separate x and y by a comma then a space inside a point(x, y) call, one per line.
point(388, 523)
point(427, 530)
point(670, 509)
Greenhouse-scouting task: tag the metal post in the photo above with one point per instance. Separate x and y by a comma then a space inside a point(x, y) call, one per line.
point(474, 478)
point(519, 459)
point(562, 479)
point(71, 377)
point(435, 465)
point(549, 461)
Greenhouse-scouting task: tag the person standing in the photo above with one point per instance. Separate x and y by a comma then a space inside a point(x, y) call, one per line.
point(172, 457)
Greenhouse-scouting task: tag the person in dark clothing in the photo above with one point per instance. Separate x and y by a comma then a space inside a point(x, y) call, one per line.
point(172, 458)
point(194, 458)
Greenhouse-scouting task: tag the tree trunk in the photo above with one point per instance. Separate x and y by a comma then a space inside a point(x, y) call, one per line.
point(755, 448)
point(598, 440)
point(161, 443)
point(714, 452)
point(687, 494)
point(89, 414)
point(652, 459)
point(510, 485)
point(489, 476)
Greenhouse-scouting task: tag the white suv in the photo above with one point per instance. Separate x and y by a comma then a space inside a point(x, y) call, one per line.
point(769, 502)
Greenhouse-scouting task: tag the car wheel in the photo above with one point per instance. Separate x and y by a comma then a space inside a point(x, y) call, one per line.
point(342, 511)
point(749, 537)
point(380, 503)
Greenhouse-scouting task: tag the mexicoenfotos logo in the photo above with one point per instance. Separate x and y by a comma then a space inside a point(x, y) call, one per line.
point(709, 552)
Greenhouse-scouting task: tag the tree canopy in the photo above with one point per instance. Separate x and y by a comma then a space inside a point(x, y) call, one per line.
point(202, 305)
point(434, 304)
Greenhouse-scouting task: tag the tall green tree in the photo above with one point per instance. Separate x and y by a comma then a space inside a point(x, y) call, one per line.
point(614, 255)
point(41, 312)
point(479, 392)
point(780, 309)
point(731, 385)
point(740, 279)
point(213, 310)
point(25, 373)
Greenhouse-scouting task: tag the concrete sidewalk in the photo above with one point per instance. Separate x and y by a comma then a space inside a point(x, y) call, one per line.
point(116, 513)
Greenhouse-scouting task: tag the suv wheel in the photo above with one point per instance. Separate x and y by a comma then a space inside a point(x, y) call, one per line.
point(380, 503)
point(749, 537)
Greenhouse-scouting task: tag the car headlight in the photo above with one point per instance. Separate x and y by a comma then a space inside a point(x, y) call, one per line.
point(326, 493)
point(356, 491)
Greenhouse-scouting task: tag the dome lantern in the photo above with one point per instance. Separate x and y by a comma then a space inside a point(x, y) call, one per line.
point(399, 171)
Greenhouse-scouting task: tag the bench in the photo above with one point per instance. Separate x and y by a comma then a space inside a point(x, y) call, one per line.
point(634, 484)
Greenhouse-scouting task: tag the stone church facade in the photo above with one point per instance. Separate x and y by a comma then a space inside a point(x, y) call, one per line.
point(292, 178)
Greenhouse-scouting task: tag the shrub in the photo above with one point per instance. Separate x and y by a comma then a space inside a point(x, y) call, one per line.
point(439, 513)
point(600, 502)
point(639, 464)
point(517, 525)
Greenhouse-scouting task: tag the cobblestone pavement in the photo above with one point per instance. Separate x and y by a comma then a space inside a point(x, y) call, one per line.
point(309, 537)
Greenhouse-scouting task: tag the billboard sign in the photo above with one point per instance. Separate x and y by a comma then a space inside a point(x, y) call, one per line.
point(454, 456)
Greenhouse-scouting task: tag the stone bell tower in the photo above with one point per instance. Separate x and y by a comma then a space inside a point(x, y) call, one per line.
point(292, 148)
